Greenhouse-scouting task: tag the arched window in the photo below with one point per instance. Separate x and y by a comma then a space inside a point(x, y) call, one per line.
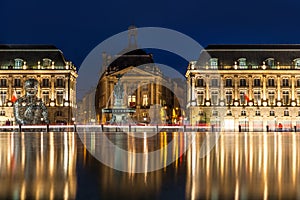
point(18, 63)
point(270, 62)
point(242, 63)
point(297, 63)
point(213, 63)
point(46, 62)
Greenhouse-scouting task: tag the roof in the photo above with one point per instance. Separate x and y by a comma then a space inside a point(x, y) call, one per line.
point(133, 58)
point(31, 54)
point(255, 54)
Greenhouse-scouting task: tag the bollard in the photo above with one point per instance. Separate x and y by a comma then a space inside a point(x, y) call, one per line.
point(47, 128)
point(102, 127)
point(156, 128)
point(20, 128)
point(129, 128)
point(75, 129)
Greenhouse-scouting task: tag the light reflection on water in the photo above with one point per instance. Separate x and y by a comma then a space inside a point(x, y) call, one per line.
point(241, 165)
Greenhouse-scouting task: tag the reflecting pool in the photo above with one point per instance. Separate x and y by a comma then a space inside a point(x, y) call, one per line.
point(52, 165)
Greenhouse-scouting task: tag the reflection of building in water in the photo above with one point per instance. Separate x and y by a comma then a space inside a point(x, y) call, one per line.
point(249, 87)
point(144, 84)
point(39, 166)
point(130, 184)
point(86, 108)
point(247, 166)
point(47, 64)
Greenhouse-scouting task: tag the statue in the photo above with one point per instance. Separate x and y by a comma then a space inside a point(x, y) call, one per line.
point(118, 94)
point(30, 109)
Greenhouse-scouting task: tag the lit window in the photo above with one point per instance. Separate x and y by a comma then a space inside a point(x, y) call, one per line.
point(59, 113)
point(242, 63)
point(2, 97)
point(271, 97)
point(213, 63)
point(59, 82)
point(270, 62)
point(285, 99)
point(59, 98)
point(214, 97)
point(45, 97)
point(46, 62)
point(145, 99)
point(18, 63)
point(257, 97)
point(228, 95)
point(298, 82)
point(297, 63)
point(272, 113)
point(45, 82)
point(242, 97)
point(131, 100)
point(2, 113)
point(229, 113)
point(200, 98)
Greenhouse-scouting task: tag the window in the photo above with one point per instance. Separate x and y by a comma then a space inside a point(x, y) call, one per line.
point(285, 82)
point(286, 113)
point(45, 97)
point(45, 82)
point(257, 113)
point(257, 82)
point(59, 113)
point(243, 82)
point(214, 98)
point(272, 113)
point(298, 82)
point(242, 97)
point(213, 63)
point(228, 82)
point(46, 62)
point(271, 97)
point(271, 82)
point(18, 63)
point(243, 113)
point(3, 82)
point(229, 113)
point(2, 112)
point(131, 101)
point(59, 98)
point(285, 95)
point(214, 83)
point(297, 63)
point(17, 82)
point(200, 98)
point(145, 100)
point(228, 95)
point(200, 82)
point(270, 62)
point(215, 113)
point(298, 96)
point(59, 82)
point(2, 97)
point(242, 63)
point(257, 99)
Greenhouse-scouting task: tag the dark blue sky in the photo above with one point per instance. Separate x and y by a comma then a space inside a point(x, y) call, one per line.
point(77, 27)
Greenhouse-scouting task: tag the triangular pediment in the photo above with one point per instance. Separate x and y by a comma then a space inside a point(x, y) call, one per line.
point(137, 72)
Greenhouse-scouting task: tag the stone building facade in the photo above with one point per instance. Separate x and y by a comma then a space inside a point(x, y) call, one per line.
point(245, 88)
point(45, 63)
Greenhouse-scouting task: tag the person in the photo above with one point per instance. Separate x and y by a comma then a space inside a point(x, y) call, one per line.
point(30, 109)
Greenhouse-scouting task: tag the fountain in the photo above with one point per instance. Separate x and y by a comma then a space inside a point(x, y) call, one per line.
point(119, 110)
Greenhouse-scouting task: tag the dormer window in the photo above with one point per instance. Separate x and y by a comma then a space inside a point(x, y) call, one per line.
point(46, 62)
point(297, 63)
point(213, 63)
point(242, 63)
point(18, 63)
point(270, 62)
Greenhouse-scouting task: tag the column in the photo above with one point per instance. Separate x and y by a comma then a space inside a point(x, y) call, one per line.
point(67, 88)
point(157, 92)
point(250, 82)
point(138, 98)
point(264, 88)
point(278, 88)
point(152, 93)
point(52, 88)
point(193, 88)
point(207, 88)
point(222, 88)
point(293, 87)
point(235, 82)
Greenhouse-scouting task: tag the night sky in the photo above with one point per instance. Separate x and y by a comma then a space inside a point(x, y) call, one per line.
point(76, 27)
